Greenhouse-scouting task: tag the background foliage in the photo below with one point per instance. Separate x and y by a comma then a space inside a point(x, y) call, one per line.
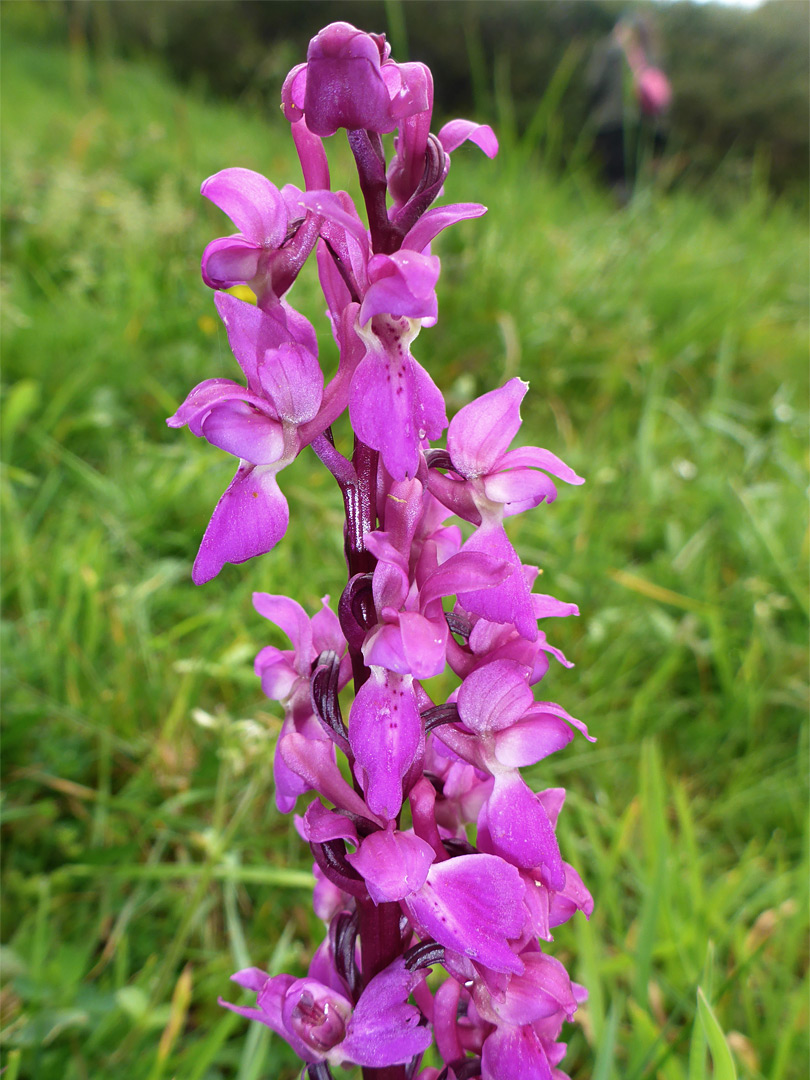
point(666, 345)
point(740, 77)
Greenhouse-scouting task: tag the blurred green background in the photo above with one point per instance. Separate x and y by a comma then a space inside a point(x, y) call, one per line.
point(666, 344)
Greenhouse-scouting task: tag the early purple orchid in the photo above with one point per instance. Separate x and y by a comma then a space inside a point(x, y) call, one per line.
point(323, 1025)
point(285, 677)
point(430, 849)
point(274, 238)
point(259, 424)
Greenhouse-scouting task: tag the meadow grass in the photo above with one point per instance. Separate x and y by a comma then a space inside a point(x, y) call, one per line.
point(144, 860)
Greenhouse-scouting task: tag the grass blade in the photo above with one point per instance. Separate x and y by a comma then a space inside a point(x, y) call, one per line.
point(724, 1068)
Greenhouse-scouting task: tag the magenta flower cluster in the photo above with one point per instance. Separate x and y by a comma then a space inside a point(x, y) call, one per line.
point(431, 852)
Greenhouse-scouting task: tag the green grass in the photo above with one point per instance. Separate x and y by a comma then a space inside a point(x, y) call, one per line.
point(144, 859)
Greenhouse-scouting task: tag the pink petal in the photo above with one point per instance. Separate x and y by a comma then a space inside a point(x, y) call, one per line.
point(410, 88)
point(321, 825)
point(459, 572)
point(329, 205)
point(424, 643)
point(254, 333)
point(445, 1020)
point(519, 489)
point(574, 897)
point(510, 601)
point(393, 864)
point(336, 392)
point(385, 1029)
point(206, 395)
point(429, 414)
point(314, 762)
point(542, 990)
point(242, 430)
point(250, 519)
point(541, 708)
point(494, 696)
point(453, 134)
point(300, 329)
point(292, 378)
point(473, 904)
point(520, 828)
point(289, 785)
point(289, 616)
point(393, 405)
point(344, 87)
point(251, 978)
point(385, 731)
point(390, 583)
point(252, 203)
point(553, 800)
point(402, 284)
point(531, 740)
point(326, 632)
point(230, 260)
point(436, 220)
point(277, 674)
point(481, 432)
point(545, 606)
point(422, 798)
point(536, 458)
point(383, 648)
point(292, 94)
point(510, 1052)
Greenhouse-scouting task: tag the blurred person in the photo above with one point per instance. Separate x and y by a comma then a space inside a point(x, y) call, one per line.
point(629, 101)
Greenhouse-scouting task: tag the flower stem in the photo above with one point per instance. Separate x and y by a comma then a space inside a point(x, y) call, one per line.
point(380, 945)
point(380, 939)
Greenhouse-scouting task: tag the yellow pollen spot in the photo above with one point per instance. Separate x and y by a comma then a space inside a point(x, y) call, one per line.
point(242, 292)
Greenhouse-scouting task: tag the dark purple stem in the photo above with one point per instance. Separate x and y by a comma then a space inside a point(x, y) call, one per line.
point(380, 945)
point(380, 939)
point(370, 162)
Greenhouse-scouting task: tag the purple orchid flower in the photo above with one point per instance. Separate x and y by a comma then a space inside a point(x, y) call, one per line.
point(502, 481)
point(531, 1049)
point(274, 238)
point(387, 737)
point(509, 730)
point(321, 1024)
point(488, 641)
point(349, 82)
point(394, 405)
point(259, 425)
point(285, 677)
point(478, 878)
point(411, 633)
point(471, 904)
point(497, 482)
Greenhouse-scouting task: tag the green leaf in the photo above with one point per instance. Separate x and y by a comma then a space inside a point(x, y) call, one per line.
point(724, 1068)
point(23, 399)
point(605, 1057)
